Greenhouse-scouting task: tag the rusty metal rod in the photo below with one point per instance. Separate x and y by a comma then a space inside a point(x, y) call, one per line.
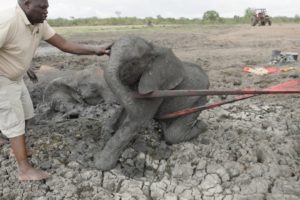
point(183, 112)
point(181, 93)
point(187, 111)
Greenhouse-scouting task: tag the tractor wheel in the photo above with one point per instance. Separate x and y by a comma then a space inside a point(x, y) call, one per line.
point(253, 21)
point(268, 20)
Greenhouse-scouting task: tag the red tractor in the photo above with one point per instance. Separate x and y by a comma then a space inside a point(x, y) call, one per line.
point(260, 17)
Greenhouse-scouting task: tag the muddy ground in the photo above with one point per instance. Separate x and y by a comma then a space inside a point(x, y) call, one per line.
point(251, 150)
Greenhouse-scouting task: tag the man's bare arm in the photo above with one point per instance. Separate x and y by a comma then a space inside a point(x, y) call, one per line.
point(76, 48)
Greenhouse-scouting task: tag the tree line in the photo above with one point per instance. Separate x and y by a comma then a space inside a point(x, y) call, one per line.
point(209, 17)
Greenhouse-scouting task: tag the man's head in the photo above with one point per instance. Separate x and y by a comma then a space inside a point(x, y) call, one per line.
point(35, 10)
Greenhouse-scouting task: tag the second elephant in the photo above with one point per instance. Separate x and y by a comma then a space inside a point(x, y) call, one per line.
point(137, 66)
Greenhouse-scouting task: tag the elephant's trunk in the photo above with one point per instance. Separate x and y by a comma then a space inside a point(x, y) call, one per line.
point(121, 91)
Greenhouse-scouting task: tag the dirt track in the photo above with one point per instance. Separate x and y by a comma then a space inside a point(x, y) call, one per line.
point(250, 151)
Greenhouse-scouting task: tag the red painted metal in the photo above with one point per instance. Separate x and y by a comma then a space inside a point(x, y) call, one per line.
point(180, 93)
point(286, 85)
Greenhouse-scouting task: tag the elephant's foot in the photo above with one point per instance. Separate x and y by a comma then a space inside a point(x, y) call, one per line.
point(106, 160)
point(108, 157)
point(176, 135)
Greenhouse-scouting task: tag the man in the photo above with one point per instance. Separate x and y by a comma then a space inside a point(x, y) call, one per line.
point(21, 30)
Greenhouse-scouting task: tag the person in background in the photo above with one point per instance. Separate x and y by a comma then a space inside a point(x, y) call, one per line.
point(21, 30)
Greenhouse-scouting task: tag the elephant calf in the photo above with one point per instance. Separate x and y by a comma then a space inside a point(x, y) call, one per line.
point(68, 93)
point(136, 65)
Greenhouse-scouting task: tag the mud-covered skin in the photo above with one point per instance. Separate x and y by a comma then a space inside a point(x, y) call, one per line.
point(71, 92)
point(137, 66)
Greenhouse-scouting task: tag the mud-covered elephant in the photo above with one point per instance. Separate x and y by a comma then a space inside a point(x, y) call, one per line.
point(136, 65)
point(73, 90)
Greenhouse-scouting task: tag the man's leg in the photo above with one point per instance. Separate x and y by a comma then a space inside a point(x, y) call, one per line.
point(29, 151)
point(16, 107)
point(26, 171)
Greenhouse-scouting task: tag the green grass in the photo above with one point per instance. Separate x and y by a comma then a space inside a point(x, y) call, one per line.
point(82, 30)
point(74, 30)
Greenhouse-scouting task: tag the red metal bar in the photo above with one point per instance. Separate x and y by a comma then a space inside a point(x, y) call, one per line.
point(180, 93)
point(281, 86)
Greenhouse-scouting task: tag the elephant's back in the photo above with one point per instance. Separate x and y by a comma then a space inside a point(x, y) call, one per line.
point(194, 78)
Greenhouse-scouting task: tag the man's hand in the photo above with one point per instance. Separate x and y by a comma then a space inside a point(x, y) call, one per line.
point(103, 50)
point(31, 73)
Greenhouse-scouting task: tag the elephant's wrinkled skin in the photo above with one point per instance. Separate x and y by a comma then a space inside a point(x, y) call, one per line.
point(138, 66)
point(68, 93)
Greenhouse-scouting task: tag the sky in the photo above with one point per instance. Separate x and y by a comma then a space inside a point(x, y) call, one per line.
point(164, 8)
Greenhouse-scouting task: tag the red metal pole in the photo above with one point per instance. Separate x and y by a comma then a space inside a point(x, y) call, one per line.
point(180, 93)
point(281, 86)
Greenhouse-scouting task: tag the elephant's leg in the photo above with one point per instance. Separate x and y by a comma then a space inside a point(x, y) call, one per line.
point(108, 157)
point(112, 123)
point(128, 129)
point(184, 128)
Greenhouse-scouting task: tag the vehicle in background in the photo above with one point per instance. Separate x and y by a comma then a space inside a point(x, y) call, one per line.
point(260, 17)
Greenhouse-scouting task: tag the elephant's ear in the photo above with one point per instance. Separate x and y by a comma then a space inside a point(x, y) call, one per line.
point(165, 72)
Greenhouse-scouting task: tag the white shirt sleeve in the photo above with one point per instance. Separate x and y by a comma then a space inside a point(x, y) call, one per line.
point(48, 31)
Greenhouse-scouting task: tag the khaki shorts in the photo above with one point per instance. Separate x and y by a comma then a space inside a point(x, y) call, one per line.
point(15, 107)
